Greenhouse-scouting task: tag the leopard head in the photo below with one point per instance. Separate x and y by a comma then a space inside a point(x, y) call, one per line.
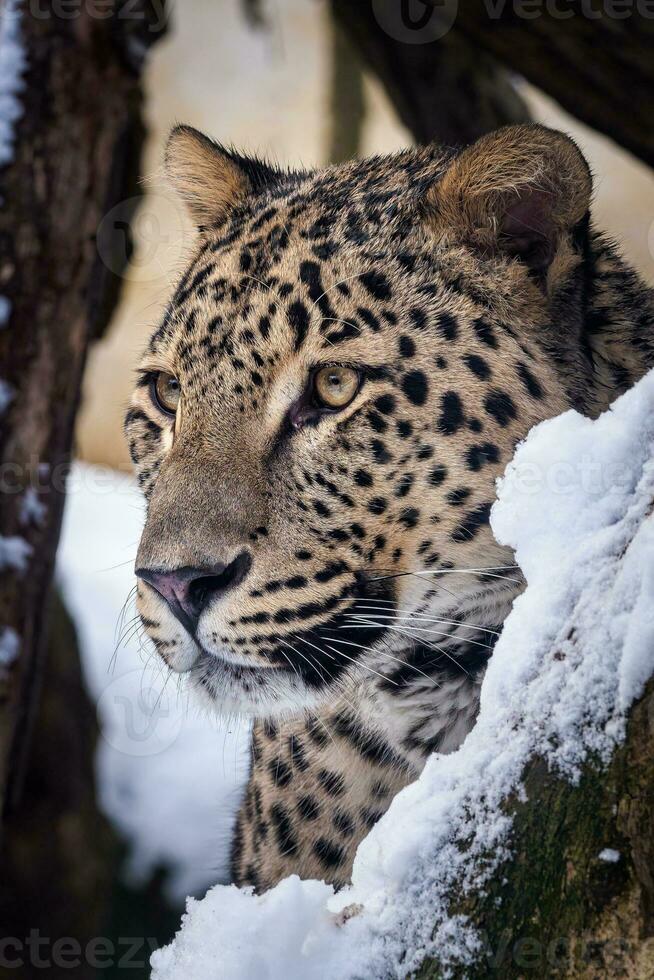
point(342, 373)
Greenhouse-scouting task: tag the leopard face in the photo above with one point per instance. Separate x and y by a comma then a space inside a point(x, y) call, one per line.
point(341, 375)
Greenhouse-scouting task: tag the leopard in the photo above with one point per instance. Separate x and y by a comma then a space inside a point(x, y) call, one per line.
point(318, 425)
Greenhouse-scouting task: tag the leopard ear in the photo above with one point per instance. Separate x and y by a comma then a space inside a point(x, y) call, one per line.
point(210, 179)
point(517, 191)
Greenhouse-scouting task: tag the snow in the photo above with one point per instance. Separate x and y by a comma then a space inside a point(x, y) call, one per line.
point(609, 855)
point(13, 63)
point(14, 552)
point(9, 648)
point(32, 511)
point(575, 651)
point(169, 778)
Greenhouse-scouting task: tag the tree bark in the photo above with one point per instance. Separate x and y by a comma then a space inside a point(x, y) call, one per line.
point(563, 911)
point(76, 148)
point(556, 908)
point(595, 57)
point(59, 854)
point(447, 72)
point(443, 89)
point(346, 98)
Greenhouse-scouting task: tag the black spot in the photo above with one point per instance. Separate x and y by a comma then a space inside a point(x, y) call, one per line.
point(418, 318)
point(280, 772)
point(316, 732)
point(370, 745)
point(377, 421)
point(448, 325)
point(407, 346)
point(284, 831)
point(409, 517)
point(475, 519)
point(478, 366)
point(404, 484)
point(346, 332)
point(368, 318)
point(485, 332)
point(362, 478)
point(404, 429)
point(459, 496)
point(330, 571)
point(330, 854)
point(437, 475)
point(297, 753)
point(415, 387)
point(370, 817)
point(377, 505)
point(500, 405)
point(532, 385)
point(385, 404)
point(376, 284)
point(343, 823)
point(332, 782)
point(308, 808)
point(452, 417)
point(298, 316)
point(478, 456)
point(380, 451)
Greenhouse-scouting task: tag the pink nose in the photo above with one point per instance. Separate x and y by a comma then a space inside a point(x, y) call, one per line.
point(188, 590)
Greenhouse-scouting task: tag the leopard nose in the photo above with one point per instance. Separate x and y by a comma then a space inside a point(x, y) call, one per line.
point(189, 590)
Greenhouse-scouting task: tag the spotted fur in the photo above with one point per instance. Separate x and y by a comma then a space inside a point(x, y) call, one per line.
point(473, 295)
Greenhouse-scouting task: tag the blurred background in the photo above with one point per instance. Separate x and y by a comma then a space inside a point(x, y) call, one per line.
point(143, 817)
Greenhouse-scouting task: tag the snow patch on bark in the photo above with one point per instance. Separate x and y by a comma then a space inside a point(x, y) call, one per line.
point(576, 650)
point(13, 63)
point(14, 553)
point(9, 648)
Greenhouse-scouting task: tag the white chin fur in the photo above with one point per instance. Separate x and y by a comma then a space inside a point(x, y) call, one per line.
point(182, 660)
point(270, 693)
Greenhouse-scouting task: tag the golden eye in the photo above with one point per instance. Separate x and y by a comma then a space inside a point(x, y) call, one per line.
point(166, 392)
point(335, 387)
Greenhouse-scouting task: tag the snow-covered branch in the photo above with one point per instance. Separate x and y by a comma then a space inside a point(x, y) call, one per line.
point(529, 845)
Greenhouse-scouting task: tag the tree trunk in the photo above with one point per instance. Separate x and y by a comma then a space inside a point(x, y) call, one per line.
point(595, 57)
point(446, 64)
point(563, 911)
point(59, 855)
point(442, 89)
point(76, 148)
point(346, 98)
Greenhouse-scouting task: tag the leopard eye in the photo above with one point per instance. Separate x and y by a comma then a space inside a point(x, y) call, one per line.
point(165, 392)
point(335, 387)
